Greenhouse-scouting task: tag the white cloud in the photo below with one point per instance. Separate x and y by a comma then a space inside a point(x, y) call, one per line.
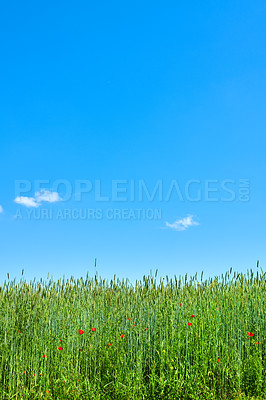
point(40, 197)
point(26, 201)
point(1, 209)
point(48, 196)
point(182, 224)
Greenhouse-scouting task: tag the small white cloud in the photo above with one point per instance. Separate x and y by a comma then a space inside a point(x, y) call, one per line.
point(26, 201)
point(1, 209)
point(40, 197)
point(47, 196)
point(182, 224)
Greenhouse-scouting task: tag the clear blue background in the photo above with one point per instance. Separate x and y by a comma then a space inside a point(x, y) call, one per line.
point(133, 90)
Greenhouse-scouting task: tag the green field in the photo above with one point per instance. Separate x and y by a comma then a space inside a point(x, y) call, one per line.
point(157, 339)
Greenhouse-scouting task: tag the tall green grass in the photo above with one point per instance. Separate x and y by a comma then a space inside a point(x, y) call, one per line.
point(159, 357)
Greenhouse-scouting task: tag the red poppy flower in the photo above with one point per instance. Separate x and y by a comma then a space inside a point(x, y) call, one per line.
point(218, 360)
point(189, 323)
point(180, 304)
point(44, 356)
point(250, 334)
point(192, 315)
point(256, 342)
point(231, 313)
point(60, 348)
point(93, 329)
point(24, 372)
point(122, 336)
point(110, 344)
point(79, 349)
point(147, 329)
point(130, 319)
point(81, 332)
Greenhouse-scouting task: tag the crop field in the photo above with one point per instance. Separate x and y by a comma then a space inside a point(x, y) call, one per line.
point(161, 338)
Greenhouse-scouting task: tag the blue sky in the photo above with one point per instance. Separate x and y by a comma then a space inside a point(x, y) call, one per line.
point(118, 94)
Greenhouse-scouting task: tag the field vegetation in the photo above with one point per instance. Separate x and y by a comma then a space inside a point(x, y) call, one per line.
point(161, 338)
